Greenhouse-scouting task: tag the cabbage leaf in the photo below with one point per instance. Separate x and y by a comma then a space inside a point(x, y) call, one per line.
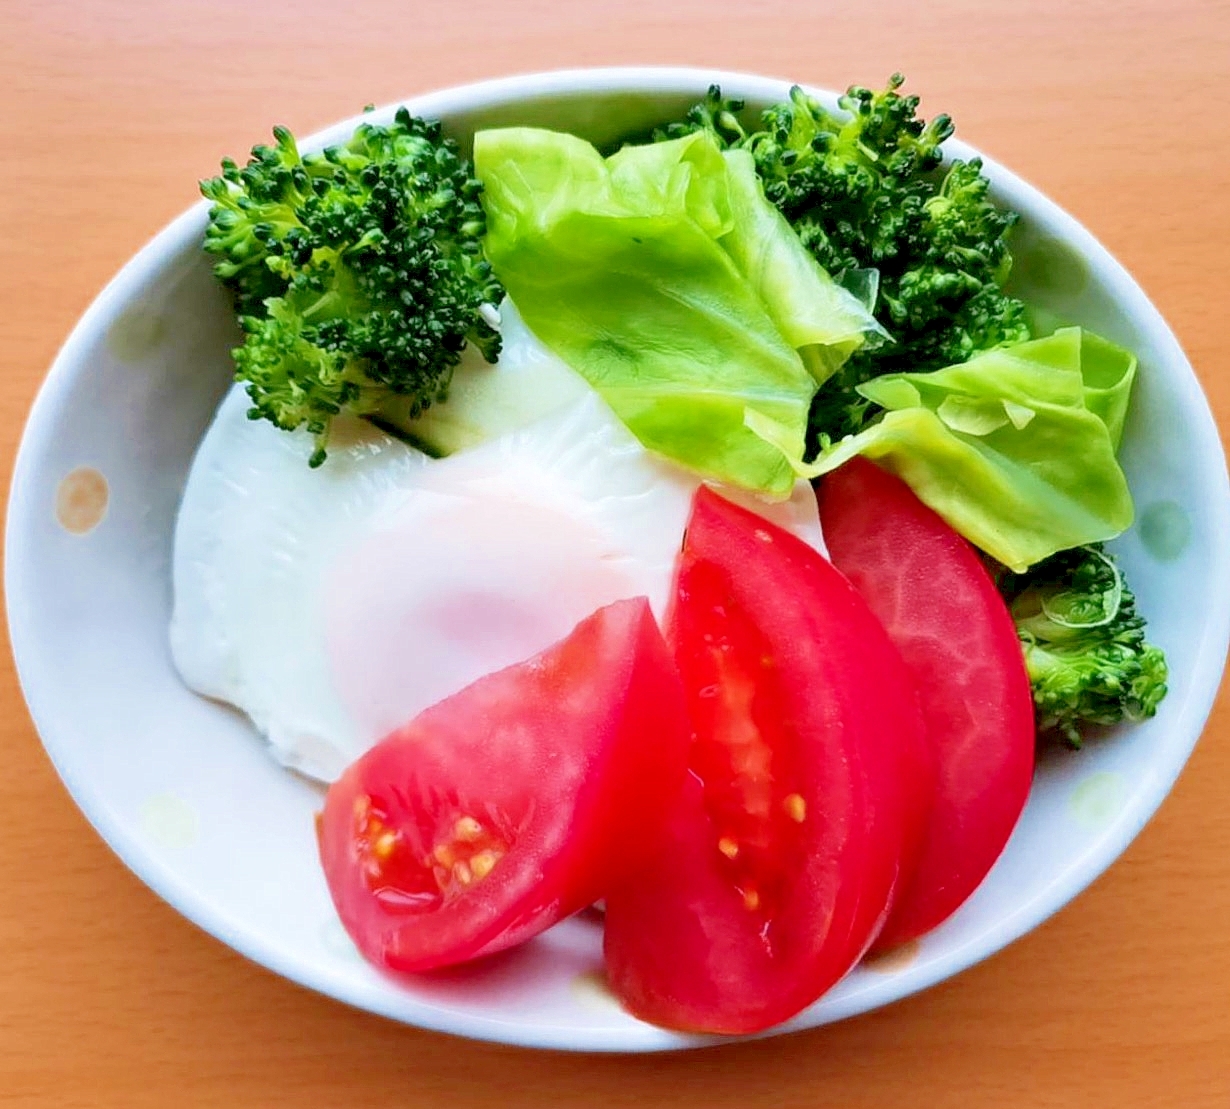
point(1014, 448)
point(665, 278)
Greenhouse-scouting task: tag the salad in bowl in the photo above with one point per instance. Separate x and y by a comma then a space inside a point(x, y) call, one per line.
point(683, 551)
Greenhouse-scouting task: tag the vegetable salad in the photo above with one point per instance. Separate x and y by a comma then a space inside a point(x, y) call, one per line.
point(698, 526)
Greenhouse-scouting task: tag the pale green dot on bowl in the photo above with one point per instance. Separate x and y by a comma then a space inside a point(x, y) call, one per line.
point(135, 334)
point(1046, 265)
point(1165, 529)
point(1097, 800)
point(170, 821)
point(334, 939)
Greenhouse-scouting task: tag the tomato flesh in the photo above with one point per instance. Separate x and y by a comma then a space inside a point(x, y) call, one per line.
point(513, 803)
point(809, 780)
point(939, 605)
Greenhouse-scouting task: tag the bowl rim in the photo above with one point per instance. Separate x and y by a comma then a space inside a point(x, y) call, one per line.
point(68, 367)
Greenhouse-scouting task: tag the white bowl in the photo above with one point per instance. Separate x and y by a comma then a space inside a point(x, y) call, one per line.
point(185, 794)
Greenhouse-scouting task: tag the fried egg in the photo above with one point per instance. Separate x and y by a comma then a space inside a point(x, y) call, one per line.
point(333, 605)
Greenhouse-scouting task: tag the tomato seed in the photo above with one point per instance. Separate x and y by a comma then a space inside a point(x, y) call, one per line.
point(482, 864)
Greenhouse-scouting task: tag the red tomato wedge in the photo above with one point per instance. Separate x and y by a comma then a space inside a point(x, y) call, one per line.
point(513, 803)
point(810, 779)
point(932, 593)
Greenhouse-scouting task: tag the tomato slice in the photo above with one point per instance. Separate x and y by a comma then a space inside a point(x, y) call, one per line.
point(809, 780)
point(932, 593)
point(513, 803)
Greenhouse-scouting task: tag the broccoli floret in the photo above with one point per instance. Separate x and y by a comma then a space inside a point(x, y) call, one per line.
point(867, 192)
point(358, 273)
point(1084, 643)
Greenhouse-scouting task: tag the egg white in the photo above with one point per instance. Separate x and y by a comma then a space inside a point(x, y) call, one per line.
point(332, 605)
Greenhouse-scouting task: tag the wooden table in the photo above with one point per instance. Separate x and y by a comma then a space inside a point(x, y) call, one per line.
point(109, 113)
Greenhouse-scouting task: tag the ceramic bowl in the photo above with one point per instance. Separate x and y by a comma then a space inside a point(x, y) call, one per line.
point(183, 790)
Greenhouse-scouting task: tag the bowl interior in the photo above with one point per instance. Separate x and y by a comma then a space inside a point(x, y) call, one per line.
point(182, 788)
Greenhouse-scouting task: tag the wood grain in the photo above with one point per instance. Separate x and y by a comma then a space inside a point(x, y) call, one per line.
point(110, 111)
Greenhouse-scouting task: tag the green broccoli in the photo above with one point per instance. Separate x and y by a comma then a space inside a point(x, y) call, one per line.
point(358, 273)
point(867, 192)
point(1084, 643)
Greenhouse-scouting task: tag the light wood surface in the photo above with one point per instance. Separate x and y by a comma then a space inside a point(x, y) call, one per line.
point(110, 110)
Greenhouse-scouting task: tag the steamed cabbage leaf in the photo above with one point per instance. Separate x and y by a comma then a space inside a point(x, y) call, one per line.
point(1014, 448)
point(667, 280)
